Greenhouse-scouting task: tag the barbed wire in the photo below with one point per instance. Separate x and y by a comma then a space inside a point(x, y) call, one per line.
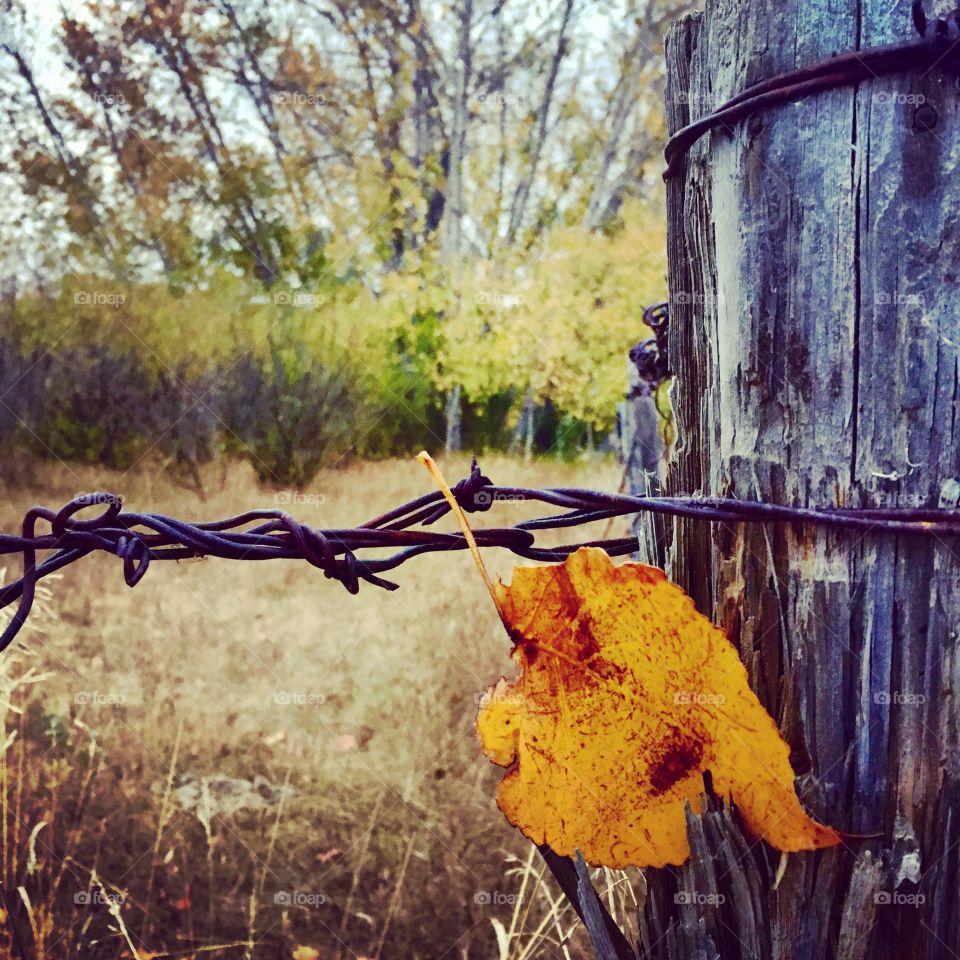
point(138, 539)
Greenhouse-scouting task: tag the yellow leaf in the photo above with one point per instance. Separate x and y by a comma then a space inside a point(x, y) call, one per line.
point(305, 953)
point(626, 696)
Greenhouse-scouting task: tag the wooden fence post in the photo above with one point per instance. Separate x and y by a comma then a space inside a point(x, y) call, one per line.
point(814, 336)
point(641, 451)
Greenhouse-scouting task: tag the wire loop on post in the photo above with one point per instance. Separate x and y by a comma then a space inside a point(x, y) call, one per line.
point(939, 46)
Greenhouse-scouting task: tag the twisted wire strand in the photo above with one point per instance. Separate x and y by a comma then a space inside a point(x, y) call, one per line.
point(140, 538)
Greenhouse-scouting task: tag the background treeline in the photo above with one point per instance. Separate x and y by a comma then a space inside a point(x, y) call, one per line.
point(292, 231)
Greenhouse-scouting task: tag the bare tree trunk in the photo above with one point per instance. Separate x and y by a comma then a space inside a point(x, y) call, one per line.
point(451, 229)
point(538, 136)
point(451, 232)
point(454, 439)
point(623, 107)
point(815, 349)
point(523, 435)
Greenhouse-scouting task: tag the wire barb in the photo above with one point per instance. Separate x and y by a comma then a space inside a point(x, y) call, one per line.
point(942, 28)
point(651, 357)
point(139, 539)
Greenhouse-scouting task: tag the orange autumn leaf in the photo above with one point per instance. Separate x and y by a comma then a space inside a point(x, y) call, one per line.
point(626, 696)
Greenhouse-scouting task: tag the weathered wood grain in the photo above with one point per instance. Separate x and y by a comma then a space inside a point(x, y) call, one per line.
point(815, 331)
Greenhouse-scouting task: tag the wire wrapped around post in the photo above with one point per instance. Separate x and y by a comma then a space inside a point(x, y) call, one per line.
point(939, 46)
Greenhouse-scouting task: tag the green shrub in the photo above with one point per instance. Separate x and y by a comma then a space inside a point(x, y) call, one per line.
point(292, 413)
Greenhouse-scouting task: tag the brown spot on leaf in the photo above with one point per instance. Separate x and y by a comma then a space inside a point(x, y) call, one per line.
point(585, 642)
point(677, 757)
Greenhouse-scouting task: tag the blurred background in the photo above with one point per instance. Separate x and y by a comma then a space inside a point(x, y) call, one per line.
point(260, 254)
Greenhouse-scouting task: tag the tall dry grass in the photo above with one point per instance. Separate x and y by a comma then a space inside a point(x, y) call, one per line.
point(242, 760)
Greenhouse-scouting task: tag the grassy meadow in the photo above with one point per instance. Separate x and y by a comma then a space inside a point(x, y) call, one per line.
point(242, 760)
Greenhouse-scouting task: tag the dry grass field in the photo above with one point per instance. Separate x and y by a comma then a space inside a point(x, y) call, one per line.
point(243, 760)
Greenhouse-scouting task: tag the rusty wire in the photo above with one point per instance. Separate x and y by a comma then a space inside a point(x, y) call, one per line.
point(140, 538)
point(939, 46)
